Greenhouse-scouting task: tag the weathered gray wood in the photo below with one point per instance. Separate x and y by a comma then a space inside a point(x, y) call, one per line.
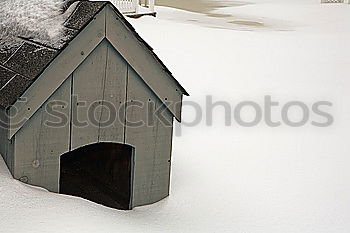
point(161, 173)
point(152, 143)
point(3, 133)
point(59, 70)
point(113, 70)
point(124, 41)
point(143, 62)
point(88, 87)
point(114, 97)
point(10, 155)
point(38, 146)
point(6, 145)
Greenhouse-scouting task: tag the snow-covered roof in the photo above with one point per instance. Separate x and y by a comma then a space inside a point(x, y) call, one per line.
point(32, 33)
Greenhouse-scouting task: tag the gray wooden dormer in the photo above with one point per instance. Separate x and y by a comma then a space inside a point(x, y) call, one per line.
point(102, 58)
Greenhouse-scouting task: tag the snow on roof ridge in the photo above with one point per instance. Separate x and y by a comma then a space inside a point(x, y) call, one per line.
point(39, 19)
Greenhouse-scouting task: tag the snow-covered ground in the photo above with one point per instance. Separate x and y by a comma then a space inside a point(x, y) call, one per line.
point(231, 178)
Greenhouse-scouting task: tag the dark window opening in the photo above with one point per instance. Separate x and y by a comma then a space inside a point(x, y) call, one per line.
point(101, 173)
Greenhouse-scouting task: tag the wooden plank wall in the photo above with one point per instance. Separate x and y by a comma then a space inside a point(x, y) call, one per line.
point(39, 146)
point(58, 71)
point(6, 146)
point(140, 59)
point(106, 25)
point(104, 75)
point(115, 84)
point(114, 92)
point(152, 143)
point(88, 85)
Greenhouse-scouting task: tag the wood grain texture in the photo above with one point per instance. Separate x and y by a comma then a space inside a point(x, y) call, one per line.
point(114, 96)
point(6, 145)
point(117, 71)
point(38, 145)
point(152, 143)
point(144, 63)
point(59, 70)
point(88, 87)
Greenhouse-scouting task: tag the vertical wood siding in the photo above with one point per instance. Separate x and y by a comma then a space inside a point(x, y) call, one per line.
point(38, 146)
point(58, 71)
point(143, 61)
point(100, 82)
point(6, 145)
point(103, 76)
point(88, 87)
point(152, 143)
point(115, 93)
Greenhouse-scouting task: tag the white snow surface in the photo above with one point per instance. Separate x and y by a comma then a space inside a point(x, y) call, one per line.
point(230, 178)
point(39, 19)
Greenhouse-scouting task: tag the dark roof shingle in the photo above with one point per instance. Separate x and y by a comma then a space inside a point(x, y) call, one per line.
point(5, 76)
point(22, 63)
point(30, 59)
point(13, 90)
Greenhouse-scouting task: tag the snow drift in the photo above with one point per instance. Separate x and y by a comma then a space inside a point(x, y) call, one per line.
point(233, 179)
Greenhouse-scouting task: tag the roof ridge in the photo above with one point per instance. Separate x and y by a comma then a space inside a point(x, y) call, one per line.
point(31, 63)
point(74, 11)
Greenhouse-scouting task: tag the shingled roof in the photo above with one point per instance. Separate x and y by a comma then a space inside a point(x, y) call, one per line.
point(22, 63)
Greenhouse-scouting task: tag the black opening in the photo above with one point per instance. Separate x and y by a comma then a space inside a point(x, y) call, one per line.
point(101, 173)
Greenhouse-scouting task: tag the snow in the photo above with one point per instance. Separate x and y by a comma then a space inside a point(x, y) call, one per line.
point(39, 19)
point(233, 179)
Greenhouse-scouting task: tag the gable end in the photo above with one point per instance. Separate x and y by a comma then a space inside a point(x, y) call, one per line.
point(108, 24)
